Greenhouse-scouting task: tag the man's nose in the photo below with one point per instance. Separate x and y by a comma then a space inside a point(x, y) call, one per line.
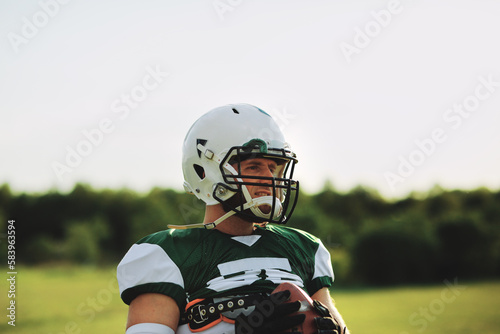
point(267, 172)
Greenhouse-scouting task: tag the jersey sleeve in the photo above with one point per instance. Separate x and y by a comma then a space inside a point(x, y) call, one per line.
point(323, 272)
point(147, 268)
point(309, 256)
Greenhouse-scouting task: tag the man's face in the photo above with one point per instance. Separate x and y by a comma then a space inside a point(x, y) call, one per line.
point(260, 167)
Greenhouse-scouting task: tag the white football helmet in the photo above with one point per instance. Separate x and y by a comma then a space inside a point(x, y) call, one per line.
point(215, 146)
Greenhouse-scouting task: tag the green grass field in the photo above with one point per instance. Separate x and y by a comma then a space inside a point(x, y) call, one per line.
point(79, 300)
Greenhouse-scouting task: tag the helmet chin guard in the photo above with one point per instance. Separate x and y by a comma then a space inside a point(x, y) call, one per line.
point(267, 201)
point(214, 149)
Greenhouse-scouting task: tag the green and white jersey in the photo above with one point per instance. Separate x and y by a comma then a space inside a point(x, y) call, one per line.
point(199, 263)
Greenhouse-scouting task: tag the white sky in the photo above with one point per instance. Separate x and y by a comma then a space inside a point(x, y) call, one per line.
point(65, 65)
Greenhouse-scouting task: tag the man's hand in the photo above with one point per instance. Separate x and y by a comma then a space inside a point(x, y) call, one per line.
point(326, 323)
point(271, 315)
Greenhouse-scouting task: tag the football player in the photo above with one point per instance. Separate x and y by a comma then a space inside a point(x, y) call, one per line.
point(219, 276)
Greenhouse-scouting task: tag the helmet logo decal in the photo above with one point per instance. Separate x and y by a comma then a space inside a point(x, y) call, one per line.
point(262, 145)
point(262, 111)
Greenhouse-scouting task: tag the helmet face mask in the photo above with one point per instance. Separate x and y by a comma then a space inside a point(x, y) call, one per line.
point(279, 205)
point(220, 143)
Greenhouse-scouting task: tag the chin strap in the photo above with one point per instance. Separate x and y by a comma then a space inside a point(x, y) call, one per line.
point(253, 203)
point(208, 226)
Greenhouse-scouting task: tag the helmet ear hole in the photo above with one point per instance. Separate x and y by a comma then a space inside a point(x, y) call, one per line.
point(200, 171)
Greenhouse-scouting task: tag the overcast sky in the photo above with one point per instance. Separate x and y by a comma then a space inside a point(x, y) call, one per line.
point(394, 95)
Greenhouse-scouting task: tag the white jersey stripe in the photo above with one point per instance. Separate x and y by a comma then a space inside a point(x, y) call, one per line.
point(238, 273)
point(253, 263)
point(322, 263)
point(147, 263)
point(250, 277)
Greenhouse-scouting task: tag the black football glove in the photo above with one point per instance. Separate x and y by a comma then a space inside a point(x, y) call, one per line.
point(271, 315)
point(325, 323)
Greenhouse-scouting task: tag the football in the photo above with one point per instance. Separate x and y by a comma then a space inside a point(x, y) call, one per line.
point(296, 293)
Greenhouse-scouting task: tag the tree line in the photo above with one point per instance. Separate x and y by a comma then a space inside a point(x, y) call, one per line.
point(418, 239)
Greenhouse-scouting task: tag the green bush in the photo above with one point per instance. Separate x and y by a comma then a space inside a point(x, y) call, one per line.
point(433, 235)
point(466, 249)
point(391, 256)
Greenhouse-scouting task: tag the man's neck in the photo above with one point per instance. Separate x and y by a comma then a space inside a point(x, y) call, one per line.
point(233, 225)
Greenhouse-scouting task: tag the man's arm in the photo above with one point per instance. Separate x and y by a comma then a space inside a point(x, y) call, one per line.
point(323, 295)
point(153, 308)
